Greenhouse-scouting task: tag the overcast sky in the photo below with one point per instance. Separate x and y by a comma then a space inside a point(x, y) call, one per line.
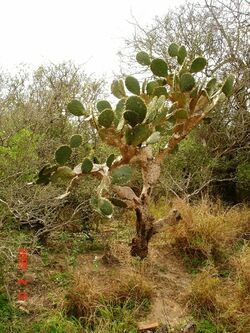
point(85, 31)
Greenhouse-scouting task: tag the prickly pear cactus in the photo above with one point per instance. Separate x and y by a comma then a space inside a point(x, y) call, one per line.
point(146, 124)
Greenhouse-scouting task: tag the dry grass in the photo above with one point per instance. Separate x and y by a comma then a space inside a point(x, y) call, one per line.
point(88, 294)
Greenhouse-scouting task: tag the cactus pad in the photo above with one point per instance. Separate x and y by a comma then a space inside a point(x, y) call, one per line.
point(132, 84)
point(105, 207)
point(63, 154)
point(137, 135)
point(182, 53)
point(131, 117)
point(198, 65)
point(75, 141)
point(76, 108)
point(187, 82)
point(117, 89)
point(143, 58)
point(110, 160)
point(86, 166)
point(102, 105)
point(173, 50)
point(228, 85)
point(106, 118)
point(159, 67)
point(159, 91)
point(136, 104)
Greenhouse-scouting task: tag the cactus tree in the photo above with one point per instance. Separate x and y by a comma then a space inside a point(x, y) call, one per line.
point(145, 126)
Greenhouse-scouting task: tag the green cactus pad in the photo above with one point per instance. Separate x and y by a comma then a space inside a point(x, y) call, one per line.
point(187, 82)
point(228, 85)
point(137, 135)
point(136, 104)
point(105, 207)
point(143, 58)
point(181, 114)
point(63, 154)
point(159, 67)
point(75, 141)
point(63, 172)
point(173, 50)
point(131, 117)
point(159, 91)
point(211, 85)
point(86, 166)
point(182, 53)
point(151, 86)
point(132, 84)
point(102, 105)
point(117, 89)
point(95, 160)
point(76, 108)
point(198, 65)
point(110, 160)
point(121, 175)
point(106, 118)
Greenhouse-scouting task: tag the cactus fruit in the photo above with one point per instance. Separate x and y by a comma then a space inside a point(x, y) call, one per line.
point(182, 53)
point(132, 84)
point(76, 108)
point(228, 85)
point(75, 141)
point(110, 160)
point(102, 105)
point(187, 82)
point(63, 154)
point(198, 65)
point(159, 91)
point(137, 135)
point(159, 67)
point(143, 58)
point(131, 117)
point(106, 118)
point(105, 207)
point(173, 50)
point(86, 166)
point(121, 175)
point(136, 104)
point(117, 89)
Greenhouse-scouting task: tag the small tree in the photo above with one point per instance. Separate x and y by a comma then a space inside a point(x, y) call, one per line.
point(145, 126)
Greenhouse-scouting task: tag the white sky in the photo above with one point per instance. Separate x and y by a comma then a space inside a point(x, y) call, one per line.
point(91, 32)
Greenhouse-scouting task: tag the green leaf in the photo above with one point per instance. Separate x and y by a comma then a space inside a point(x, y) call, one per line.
point(198, 65)
point(159, 67)
point(187, 82)
point(132, 84)
point(117, 89)
point(87, 165)
point(105, 207)
point(131, 117)
point(182, 53)
point(173, 50)
point(63, 154)
point(137, 135)
point(110, 160)
point(75, 141)
point(106, 118)
point(102, 105)
point(136, 104)
point(76, 108)
point(228, 85)
point(143, 58)
point(121, 175)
